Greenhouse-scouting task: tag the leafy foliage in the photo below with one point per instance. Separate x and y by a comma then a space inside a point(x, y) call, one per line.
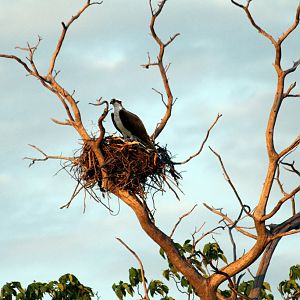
point(246, 287)
point(155, 287)
point(67, 287)
point(210, 255)
point(212, 252)
point(290, 288)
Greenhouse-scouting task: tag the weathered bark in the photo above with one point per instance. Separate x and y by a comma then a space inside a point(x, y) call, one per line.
point(288, 225)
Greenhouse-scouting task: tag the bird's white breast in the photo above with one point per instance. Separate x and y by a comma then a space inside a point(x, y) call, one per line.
point(126, 133)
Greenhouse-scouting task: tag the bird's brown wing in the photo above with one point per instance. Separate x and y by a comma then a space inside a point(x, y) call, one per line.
point(135, 125)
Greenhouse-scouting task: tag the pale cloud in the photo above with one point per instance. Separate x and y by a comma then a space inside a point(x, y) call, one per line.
point(5, 179)
point(110, 61)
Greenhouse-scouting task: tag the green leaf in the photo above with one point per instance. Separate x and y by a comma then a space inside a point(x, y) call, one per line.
point(266, 286)
point(128, 288)
point(294, 272)
point(162, 253)
point(187, 246)
point(133, 276)
point(184, 282)
point(152, 287)
point(166, 274)
point(225, 293)
point(165, 288)
point(223, 257)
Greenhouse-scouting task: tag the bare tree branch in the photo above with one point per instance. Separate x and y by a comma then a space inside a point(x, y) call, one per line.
point(46, 157)
point(180, 219)
point(212, 231)
point(244, 207)
point(63, 34)
point(141, 266)
point(292, 167)
point(203, 142)
point(290, 148)
point(280, 202)
point(225, 217)
point(292, 27)
point(19, 60)
point(290, 88)
point(249, 15)
point(155, 13)
point(293, 68)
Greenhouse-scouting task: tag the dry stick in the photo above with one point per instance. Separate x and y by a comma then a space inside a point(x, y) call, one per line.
point(203, 143)
point(141, 266)
point(225, 217)
point(292, 27)
point(279, 235)
point(280, 184)
point(280, 202)
point(76, 191)
point(212, 231)
point(19, 60)
point(91, 192)
point(291, 165)
point(227, 178)
point(290, 148)
point(277, 178)
point(46, 157)
point(288, 91)
point(63, 34)
point(49, 81)
point(163, 72)
point(180, 219)
point(232, 242)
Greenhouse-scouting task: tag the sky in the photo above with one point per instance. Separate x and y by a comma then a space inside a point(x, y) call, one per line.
point(219, 64)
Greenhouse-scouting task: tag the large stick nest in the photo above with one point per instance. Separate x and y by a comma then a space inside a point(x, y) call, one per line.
point(129, 165)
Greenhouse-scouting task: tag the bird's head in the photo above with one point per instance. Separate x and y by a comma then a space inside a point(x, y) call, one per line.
point(116, 103)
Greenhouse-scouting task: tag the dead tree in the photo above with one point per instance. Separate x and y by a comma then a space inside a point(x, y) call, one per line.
point(95, 154)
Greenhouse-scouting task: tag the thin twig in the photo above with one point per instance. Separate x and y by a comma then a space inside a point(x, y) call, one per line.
point(180, 219)
point(202, 144)
point(225, 217)
point(63, 34)
point(280, 202)
point(46, 156)
point(141, 266)
point(244, 207)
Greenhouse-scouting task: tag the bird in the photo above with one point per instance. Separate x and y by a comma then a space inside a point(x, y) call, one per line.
point(129, 124)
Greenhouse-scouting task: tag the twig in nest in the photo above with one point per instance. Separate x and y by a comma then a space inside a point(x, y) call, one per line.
point(128, 166)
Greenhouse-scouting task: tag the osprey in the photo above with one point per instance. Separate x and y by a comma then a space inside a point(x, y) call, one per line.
point(129, 124)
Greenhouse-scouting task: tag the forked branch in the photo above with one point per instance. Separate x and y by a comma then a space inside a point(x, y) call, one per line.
point(180, 219)
point(230, 221)
point(65, 27)
point(203, 142)
point(162, 68)
point(280, 202)
point(46, 156)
